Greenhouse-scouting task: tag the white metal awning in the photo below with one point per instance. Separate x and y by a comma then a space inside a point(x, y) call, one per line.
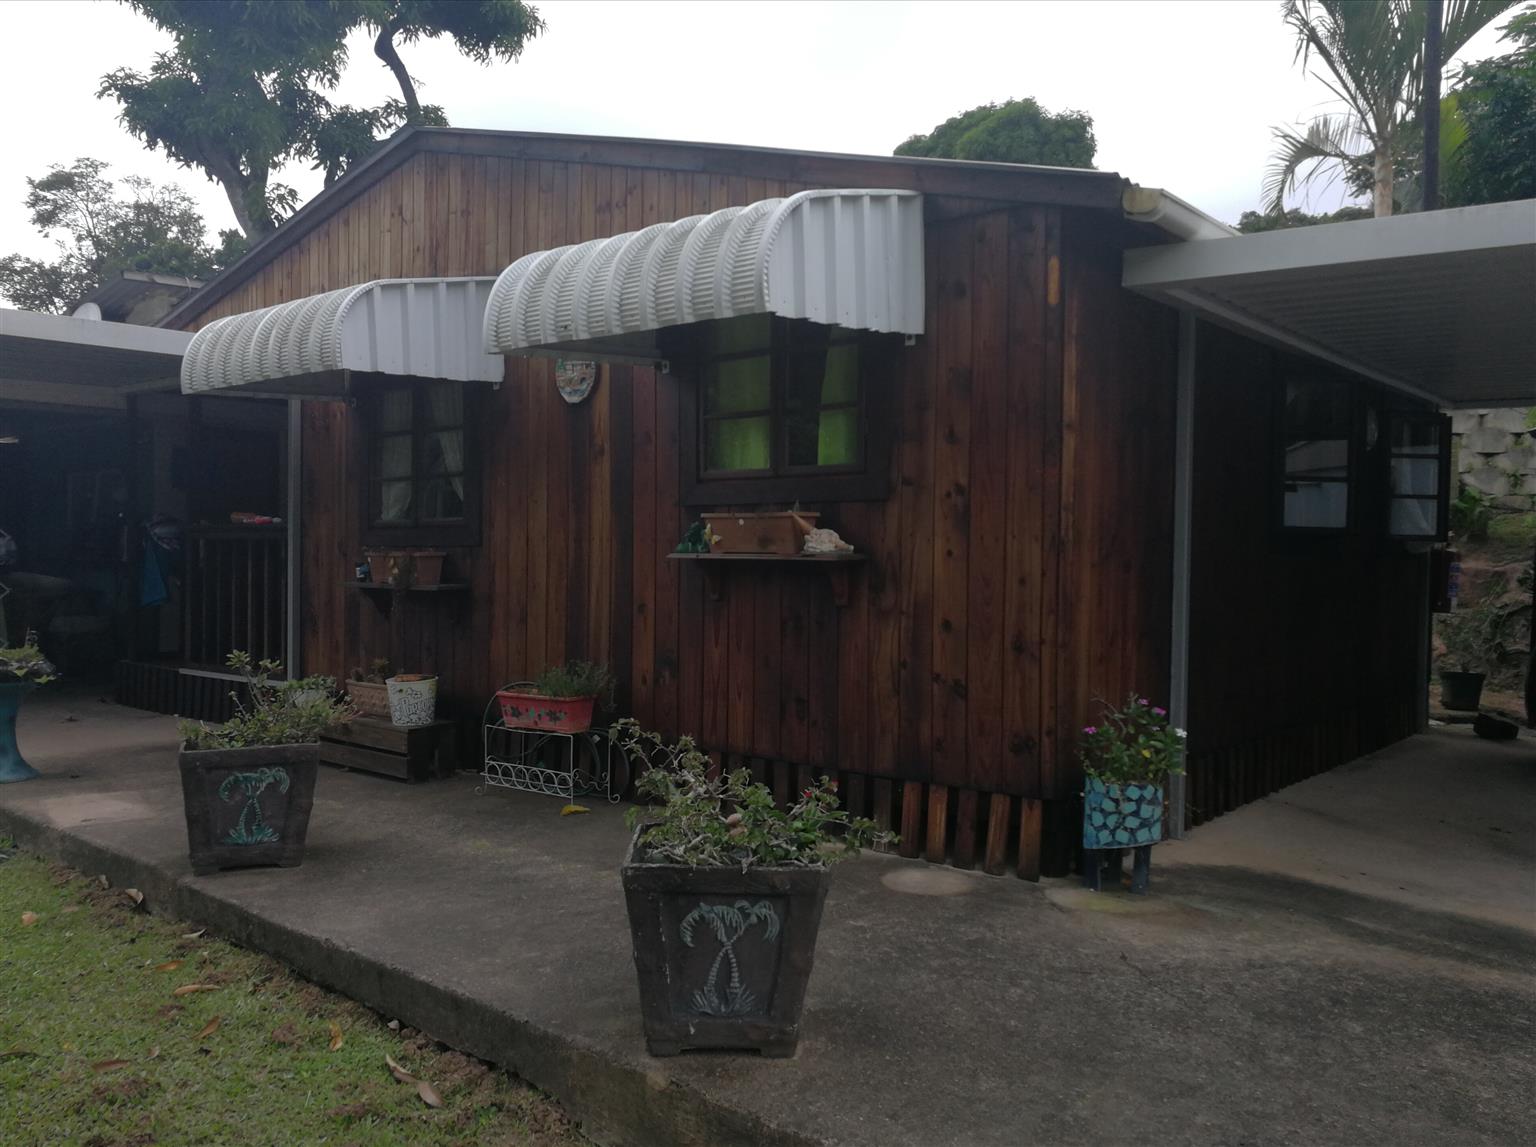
point(851, 257)
point(1440, 304)
point(426, 328)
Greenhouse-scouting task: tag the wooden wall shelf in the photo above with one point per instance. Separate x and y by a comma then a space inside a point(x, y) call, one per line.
point(836, 567)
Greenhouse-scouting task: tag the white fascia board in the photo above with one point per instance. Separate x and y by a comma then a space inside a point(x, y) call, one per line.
point(95, 333)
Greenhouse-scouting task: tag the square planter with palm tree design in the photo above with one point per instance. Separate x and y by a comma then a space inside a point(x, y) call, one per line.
point(247, 807)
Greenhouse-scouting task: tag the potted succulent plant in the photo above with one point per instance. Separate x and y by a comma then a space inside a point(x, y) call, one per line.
point(1126, 756)
point(724, 892)
point(369, 694)
point(1467, 639)
point(561, 699)
point(22, 669)
point(248, 785)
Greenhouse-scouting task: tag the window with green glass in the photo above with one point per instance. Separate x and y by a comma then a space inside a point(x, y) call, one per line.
point(780, 397)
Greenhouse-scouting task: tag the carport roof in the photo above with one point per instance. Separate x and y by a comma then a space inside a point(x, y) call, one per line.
point(1440, 304)
point(37, 348)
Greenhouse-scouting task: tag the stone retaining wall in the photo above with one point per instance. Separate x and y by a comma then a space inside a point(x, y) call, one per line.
point(1496, 453)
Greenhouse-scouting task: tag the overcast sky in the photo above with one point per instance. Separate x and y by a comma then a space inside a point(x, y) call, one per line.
point(1182, 94)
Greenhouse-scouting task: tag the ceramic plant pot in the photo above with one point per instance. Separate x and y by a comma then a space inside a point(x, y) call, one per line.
point(1461, 691)
point(12, 767)
point(412, 699)
point(369, 698)
point(1121, 816)
point(723, 956)
point(522, 709)
point(427, 566)
point(247, 807)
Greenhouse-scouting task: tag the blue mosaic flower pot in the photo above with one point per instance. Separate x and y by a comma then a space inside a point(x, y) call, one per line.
point(1121, 816)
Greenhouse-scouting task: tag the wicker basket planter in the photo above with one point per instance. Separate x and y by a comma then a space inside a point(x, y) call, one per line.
point(723, 956)
point(247, 807)
point(369, 698)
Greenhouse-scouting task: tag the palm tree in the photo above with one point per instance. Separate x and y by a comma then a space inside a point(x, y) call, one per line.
point(1372, 59)
point(252, 829)
point(729, 923)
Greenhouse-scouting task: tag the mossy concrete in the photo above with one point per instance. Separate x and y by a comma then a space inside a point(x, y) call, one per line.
point(1259, 994)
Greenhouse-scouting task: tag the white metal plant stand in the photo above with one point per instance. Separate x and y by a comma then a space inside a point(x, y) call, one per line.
point(550, 763)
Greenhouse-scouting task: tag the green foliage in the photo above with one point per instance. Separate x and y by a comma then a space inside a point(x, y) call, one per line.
point(1471, 511)
point(1131, 744)
point(25, 663)
point(1018, 131)
point(280, 712)
point(728, 821)
point(1495, 104)
point(377, 673)
point(243, 89)
point(101, 232)
point(84, 985)
point(1370, 58)
point(576, 679)
point(1252, 222)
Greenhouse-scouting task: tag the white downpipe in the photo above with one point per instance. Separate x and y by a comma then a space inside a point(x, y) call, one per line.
point(1183, 482)
point(295, 534)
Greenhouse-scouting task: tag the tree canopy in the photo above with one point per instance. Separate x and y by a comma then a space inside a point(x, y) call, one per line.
point(1252, 222)
point(1018, 131)
point(1370, 55)
point(242, 90)
point(1492, 147)
point(100, 231)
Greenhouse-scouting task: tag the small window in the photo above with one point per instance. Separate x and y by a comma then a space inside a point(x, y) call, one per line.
point(1318, 424)
point(1417, 486)
point(420, 477)
point(780, 400)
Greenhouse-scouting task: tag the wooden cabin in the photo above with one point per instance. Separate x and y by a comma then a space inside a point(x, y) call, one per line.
point(1011, 476)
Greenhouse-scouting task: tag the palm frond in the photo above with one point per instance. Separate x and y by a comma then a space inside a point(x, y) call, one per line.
point(1300, 159)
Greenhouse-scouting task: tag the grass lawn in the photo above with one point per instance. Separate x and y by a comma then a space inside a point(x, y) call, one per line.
point(97, 1049)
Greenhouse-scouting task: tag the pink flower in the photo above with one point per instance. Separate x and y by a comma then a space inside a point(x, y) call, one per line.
point(1160, 711)
point(807, 793)
point(834, 786)
point(1090, 729)
point(1141, 701)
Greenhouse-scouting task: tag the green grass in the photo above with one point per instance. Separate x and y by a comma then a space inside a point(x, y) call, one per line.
point(79, 987)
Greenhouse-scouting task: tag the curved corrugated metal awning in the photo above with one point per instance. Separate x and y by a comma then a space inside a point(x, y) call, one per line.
point(427, 328)
point(851, 257)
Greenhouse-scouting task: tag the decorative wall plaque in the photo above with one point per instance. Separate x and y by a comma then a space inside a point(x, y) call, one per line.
point(575, 380)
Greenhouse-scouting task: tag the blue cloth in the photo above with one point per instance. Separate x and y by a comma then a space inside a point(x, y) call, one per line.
point(152, 587)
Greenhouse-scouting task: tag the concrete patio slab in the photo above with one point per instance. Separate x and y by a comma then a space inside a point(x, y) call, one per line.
point(1276, 987)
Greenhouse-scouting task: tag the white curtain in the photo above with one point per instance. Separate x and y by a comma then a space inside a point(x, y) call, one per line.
point(447, 400)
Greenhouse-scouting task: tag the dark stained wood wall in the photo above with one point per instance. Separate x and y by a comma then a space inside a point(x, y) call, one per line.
point(1305, 651)
point(1019, 570)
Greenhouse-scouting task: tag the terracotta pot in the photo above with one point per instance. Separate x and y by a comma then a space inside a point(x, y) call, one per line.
point(427, 567)
point(369, 698)
point(696, 992)
point(412, 699)
point(530, 710)
point(779, 532)
point(247, 807)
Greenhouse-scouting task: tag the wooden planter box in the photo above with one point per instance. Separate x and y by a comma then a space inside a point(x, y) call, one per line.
point(247, 807)
point(777, 532)
point(723, 956)
point(520, 710)
point(377, 745)
point(369, 698)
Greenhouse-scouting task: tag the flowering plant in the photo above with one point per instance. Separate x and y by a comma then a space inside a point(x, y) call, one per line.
point(705, 818)
point(1131, 744)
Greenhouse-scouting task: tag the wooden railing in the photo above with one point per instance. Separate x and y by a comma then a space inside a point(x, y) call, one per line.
point(236, 593)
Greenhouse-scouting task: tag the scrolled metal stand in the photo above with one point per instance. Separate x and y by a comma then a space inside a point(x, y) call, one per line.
point(515, 758)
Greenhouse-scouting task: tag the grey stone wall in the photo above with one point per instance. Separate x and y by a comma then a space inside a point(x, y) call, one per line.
point(1496, 453)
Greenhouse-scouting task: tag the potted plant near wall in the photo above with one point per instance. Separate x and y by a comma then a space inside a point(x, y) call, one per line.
point(22, 669)
point(724, 892)
point(367, 691)
point(561, 699)
point(248, 785)
point(1126, 757)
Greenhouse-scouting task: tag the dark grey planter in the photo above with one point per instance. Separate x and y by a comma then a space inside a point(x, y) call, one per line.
point(723, 955)
point(1461, 691)
point(248, 807)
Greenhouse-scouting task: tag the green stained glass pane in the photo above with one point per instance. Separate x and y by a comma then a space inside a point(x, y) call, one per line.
point(837, 443)
point(841, 380)
point(736, 444)
point(395, 410)
point(740, 335)
point(737, 385)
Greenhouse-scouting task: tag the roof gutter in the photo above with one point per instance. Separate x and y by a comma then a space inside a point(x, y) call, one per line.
point(1171, 214)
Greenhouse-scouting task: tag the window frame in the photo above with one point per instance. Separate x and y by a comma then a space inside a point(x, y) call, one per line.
point(368, 401)
point(1442, 496)
point(867, 479)
point(1355, 445)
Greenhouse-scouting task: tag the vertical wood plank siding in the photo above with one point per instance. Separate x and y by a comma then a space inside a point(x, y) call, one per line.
point(1018, 570)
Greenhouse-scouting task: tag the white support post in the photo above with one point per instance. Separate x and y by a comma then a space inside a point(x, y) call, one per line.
point(295, 477)
point(1183, 476)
